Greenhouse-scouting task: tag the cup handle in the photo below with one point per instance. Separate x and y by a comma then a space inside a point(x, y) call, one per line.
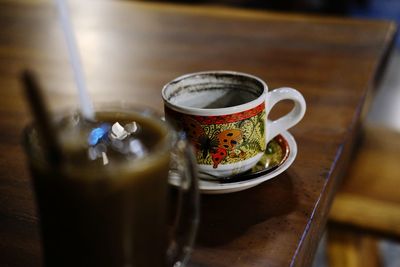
point(289, 120)
point(187, 215)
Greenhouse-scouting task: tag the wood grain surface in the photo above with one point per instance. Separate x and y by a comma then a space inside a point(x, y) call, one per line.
point(129, 50)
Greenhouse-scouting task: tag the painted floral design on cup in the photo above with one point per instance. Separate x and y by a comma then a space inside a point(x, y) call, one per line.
point(224, 139)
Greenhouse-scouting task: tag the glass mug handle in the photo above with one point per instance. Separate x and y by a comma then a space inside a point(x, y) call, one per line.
point(289, 120)
point(183, 175)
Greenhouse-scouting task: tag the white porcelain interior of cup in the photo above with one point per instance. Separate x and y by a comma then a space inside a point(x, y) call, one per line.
point(215, 92)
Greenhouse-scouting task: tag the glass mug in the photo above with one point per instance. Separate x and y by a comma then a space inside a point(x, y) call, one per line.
point(108, 201)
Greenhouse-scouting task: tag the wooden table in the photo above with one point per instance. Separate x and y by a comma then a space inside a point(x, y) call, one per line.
point(130, 50)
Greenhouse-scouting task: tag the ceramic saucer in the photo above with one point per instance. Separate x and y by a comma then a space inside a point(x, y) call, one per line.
point(216, 187)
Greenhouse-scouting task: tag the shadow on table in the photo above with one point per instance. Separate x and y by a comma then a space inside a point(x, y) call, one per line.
point(225, 217)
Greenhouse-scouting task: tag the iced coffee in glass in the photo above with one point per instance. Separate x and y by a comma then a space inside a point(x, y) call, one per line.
point(107, 202)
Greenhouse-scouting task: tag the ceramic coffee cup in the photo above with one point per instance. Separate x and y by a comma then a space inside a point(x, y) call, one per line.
point(225, 116)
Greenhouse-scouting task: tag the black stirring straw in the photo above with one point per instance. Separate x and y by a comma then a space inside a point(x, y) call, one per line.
point(43, 123)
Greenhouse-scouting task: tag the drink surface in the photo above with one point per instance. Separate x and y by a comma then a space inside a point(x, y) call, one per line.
point(105, 212)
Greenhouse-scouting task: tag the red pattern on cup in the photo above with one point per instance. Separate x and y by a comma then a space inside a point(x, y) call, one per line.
point(207, 120)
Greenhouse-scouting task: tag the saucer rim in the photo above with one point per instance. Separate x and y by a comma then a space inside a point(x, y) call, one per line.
point(209, 187)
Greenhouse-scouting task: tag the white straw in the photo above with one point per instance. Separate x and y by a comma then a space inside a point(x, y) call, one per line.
point(85, 102)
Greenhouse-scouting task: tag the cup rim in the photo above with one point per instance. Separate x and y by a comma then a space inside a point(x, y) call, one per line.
point(215, 111)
